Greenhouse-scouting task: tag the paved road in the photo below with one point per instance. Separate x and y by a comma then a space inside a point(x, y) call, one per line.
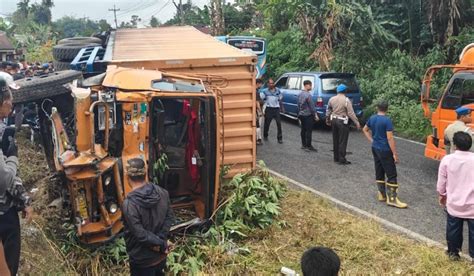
point(354, 184)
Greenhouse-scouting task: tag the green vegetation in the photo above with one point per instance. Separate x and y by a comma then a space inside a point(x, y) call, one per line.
point(387, 44)
point(251, 201)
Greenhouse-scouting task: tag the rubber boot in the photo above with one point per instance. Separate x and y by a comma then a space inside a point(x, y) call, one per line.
point(381, 195)
point(392, 199)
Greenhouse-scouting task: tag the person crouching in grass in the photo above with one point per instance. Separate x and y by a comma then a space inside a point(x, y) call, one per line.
point(456, 192)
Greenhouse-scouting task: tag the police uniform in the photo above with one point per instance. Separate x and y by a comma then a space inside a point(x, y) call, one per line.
point(457, 126)
point(272, 101)
point(339, 112)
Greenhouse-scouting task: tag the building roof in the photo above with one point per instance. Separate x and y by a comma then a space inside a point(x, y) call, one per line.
point(5, 43)
point(170, 43)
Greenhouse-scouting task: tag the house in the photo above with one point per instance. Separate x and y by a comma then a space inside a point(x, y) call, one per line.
point(7, 50)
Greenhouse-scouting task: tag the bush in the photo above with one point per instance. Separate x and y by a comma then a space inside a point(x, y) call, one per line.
point(251, 202)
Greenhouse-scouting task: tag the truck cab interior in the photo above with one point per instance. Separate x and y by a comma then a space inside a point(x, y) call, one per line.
point(182, 156)
point(460, 91)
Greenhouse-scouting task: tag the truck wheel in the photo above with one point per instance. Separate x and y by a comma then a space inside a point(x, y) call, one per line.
point(67, 52)
point(80, 40)
point(37, 88)
point(61, 65)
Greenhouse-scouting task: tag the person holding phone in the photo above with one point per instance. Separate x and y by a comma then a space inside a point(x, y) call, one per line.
point(13, 196)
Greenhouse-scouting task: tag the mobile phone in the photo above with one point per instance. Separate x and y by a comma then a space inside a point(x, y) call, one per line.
point(8, 136)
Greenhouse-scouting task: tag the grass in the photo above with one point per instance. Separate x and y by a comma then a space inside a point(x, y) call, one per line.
point(364, 246)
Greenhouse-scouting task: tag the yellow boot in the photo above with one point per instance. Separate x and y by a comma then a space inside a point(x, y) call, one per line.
point(392, 199)
point(381, 194)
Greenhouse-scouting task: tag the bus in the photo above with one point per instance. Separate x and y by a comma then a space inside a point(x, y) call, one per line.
point(255, 45)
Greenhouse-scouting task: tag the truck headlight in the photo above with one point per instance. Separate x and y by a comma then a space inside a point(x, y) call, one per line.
point(113, 207)
point(108, 180)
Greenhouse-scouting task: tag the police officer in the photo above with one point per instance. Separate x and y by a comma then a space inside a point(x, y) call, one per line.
point(338, 113)
point(272, 97)
point(463, 118)
point(307, 116)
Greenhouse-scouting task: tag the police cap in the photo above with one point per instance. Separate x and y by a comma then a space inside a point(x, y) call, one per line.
point(341, 88)
point(463, 111)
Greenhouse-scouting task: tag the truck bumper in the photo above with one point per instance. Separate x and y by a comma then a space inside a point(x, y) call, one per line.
point(432, 150)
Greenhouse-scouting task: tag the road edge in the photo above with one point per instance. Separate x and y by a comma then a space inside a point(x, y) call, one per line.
point(390, 225)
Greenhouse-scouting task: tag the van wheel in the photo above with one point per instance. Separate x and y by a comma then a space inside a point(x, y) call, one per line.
point(67, 52)
point(80, 40)
point(40, 87)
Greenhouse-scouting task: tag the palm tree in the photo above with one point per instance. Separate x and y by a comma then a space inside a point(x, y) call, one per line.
point(23, 8)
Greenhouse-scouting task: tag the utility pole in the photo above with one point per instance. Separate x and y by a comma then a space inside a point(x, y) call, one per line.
point(115, 15)
point(180, 10)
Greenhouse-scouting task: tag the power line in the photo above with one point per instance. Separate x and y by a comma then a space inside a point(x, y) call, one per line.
point(144, 5)
point(157, 11)
point(115, 15)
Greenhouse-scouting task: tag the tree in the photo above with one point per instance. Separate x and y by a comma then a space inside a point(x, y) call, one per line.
point(154, 22)
point(42, 12)
point(217, 18)
point(135, 20)
point(238, 17)
point(23, 8)
point(104, 25)
point(69, 26)
point(193, 15)
point(446, 17)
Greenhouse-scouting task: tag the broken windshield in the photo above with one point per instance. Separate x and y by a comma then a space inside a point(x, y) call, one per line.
point(174, 84)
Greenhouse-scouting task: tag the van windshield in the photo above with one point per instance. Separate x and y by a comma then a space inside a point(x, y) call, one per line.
point(329, 84)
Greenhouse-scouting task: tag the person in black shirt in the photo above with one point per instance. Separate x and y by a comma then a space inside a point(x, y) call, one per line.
point(147, 217)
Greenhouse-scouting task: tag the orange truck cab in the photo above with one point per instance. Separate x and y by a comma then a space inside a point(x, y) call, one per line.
point(169, 95)
point(459, 92)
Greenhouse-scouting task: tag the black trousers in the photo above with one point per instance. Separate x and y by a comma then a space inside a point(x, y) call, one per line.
point(157, 270)
point(270, 114)
point(307, 123)
point(454, 227)
point(340, 136)
point(11, 239)
point(384, 166)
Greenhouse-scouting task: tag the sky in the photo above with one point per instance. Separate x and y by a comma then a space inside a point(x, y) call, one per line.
point(99, 9)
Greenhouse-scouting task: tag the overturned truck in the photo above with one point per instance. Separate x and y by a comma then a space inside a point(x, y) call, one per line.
point(171, 96)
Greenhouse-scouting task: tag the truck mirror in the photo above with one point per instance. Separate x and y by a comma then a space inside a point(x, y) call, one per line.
point(424, 92)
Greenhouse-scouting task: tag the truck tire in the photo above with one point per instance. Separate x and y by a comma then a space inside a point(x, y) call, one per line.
point(67, 52)
point(80, 40)
point(37, 88)
point(61, 65)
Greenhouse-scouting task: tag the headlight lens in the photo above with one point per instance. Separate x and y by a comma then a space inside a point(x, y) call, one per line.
point(113, 207)
point(108, 180)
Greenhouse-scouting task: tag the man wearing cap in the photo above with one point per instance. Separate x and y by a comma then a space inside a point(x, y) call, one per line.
point(463, 118)
point(13, 196)
point(338, 113)
point(147, 217)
